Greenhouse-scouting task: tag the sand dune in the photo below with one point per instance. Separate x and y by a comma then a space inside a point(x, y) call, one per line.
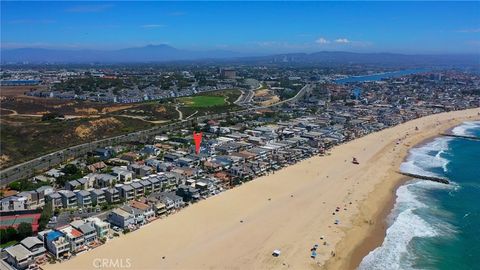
point(288, 210)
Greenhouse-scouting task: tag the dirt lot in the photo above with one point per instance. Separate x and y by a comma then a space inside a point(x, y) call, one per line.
point(24, 138)
point(16, 91)
point(265, 97)
point(33, 105)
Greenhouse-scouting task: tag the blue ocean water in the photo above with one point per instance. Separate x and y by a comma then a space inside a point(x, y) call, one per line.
point(380, 76)
point(432, 225)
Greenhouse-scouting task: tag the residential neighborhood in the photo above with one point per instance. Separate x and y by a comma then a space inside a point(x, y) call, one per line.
point(118, 189)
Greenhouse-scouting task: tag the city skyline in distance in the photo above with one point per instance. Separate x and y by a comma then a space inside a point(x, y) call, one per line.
point(250, 28)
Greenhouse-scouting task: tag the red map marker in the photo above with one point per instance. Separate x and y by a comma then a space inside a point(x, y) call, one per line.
point(197, 138)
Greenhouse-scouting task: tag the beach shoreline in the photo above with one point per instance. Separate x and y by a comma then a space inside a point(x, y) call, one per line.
point(355, 246)
point(288, 210)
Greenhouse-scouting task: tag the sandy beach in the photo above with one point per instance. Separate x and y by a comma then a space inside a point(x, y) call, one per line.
point(289, 210)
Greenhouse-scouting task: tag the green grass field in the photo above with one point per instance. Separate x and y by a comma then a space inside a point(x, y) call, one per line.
point(203, 101)
point(9, 243)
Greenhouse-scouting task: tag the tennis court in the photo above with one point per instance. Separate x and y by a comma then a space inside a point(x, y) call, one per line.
point(14, 221)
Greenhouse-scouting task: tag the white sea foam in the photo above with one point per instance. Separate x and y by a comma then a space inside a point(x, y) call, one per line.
point(393, 253)
point(412, 217)
point(421, 159)
point(464, 129)
point(405, 225)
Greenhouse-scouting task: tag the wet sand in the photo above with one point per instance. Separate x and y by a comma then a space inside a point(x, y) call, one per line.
point(289, 210)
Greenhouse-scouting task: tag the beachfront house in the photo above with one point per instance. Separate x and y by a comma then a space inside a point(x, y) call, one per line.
point(18, 256)
point(139, 218)
point(206, 186)
point(188, 193)
point(89, 232)
point(34, 245)
point(147, 210)
point(75, 238)
point(121, 218)
point(171, 200)
point(57, 244)
point(102, 228)
point(159, 207)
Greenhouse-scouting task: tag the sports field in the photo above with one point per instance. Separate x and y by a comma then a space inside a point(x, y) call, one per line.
point(15, 220)
point(203, 101)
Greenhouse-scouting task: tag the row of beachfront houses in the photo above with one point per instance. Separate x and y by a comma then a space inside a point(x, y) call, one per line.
point(84, 234)
point(223, 162)
point(144, 189)
point(147, 185)
point(78, 236)
point(235, 155)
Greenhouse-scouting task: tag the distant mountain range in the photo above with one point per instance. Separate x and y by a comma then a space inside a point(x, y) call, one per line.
point(166, 53)
point(150, 53)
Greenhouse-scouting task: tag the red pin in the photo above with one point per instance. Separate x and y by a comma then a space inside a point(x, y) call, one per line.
point(197, 137)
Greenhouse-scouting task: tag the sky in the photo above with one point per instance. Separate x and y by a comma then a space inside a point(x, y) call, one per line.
point(251, 27)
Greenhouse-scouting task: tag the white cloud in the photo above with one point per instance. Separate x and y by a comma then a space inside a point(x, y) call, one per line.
point(153, 25)
point(322, 40)
point(342, 40)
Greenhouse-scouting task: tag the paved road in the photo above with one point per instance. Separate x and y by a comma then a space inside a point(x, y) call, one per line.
point(180, 114)
point(299, 95)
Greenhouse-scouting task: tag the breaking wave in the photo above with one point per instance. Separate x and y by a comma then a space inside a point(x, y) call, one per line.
point(414, 214)
point(466, 128)
point(408, 220)
point(427, 157)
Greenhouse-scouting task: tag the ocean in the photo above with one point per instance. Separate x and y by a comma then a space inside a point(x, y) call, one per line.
point(380, 76)
point(432, 225)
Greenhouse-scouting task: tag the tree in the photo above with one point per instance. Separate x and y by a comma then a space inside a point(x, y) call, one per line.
point(45, 216)
point(70, 169)
point(11, 234)
point(24, 230)
point(3, 236)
